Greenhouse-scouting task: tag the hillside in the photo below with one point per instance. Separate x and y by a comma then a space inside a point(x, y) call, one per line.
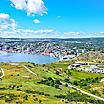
point(96, 56)
point(29, 83)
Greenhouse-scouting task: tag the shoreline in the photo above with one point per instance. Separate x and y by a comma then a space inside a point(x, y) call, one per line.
point(43, 54)
point(37, 53)
point(26, 57)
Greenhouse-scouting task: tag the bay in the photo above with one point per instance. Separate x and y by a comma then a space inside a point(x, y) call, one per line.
point(25, 57)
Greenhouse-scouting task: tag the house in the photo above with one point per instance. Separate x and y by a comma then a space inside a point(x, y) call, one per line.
point(82, 63)
point(97, 70)
point(75, 65)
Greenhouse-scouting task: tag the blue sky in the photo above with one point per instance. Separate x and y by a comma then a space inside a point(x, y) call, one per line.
point(54, 18)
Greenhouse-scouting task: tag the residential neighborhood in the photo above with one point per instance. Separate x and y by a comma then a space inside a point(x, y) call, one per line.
point(46, 48)
point(86, 66)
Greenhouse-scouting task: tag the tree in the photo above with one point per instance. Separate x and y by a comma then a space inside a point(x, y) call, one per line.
point(69, 73)
point(40, 101)
point(57, 81)
point(66, 85)
point(68, 96)
point(26, 97)
point(43, 65)
point(57, 72)
point(75, 83)
point(50, 78)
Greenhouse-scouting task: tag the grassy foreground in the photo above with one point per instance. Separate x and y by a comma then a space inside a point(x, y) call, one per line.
point(19, 86)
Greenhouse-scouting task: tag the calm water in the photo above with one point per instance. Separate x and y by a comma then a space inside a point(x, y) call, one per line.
point(23, 57)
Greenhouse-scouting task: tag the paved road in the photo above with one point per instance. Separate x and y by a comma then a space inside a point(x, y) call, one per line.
point(3, 74)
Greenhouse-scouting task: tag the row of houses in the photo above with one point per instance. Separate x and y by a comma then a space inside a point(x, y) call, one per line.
point(98, 70)
point(92, 68)
point(78, 64)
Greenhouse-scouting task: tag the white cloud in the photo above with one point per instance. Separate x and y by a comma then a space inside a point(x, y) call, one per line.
point(95, 33)
point(101, 32)
point(72, 33)
point(36, 21)
point(4, 16)
point(28, 33)
point(44, 31)
point(32, 7)
point(6, 22)
point(98, 33)
point(33, 33)
point(18, 4)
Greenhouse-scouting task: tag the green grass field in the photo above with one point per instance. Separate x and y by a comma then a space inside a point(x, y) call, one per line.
point(19, 86)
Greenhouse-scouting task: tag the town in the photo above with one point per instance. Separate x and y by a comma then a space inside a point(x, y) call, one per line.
point(61, 49)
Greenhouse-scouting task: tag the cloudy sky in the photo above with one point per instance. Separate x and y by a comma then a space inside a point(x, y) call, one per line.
point(51, 18)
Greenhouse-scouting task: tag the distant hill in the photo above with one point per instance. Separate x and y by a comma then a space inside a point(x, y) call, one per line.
point(84, 40)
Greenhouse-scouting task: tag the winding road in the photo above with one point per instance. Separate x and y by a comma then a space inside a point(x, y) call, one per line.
point(3, 74)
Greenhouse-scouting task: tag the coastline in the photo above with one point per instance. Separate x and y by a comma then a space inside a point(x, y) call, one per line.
point(44, 54)
point(6, 56)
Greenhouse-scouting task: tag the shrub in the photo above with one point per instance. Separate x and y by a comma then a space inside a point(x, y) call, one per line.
point(26, 97)
point(58, 82)
point(75, 83)
point(57, 86)
point(66, 85)
point(60, 96)
point(40, 101)
point(66, 80)
point(18, 75)
point(57, 72)
point(11, 75)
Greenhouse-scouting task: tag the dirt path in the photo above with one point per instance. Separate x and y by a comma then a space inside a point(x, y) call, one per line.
point(29, 70)
point(16, 64)
point(3, 74)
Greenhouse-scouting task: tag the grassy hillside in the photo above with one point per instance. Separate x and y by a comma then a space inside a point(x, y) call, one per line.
point(19, 86)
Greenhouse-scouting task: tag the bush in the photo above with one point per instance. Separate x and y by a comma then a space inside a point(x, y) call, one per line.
point(60, 96)
point(18, 75)
point(75, 83)
point(9, 97)
point(40, 101)
point(58, 82)
point(57, 72)
point(66, 80)
point(66, 85)
point(11, 75)
point(43, 65)
point(57, 86)
point(36, 99)
point(26, 97)
point(50, 79)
